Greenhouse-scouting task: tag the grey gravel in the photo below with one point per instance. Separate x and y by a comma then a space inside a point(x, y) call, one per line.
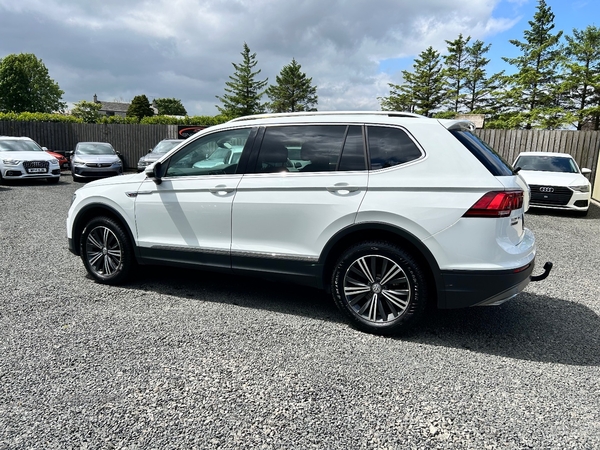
point(186, 359)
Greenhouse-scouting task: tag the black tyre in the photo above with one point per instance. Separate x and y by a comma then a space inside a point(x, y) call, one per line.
point(106, 251)
point(380, 287)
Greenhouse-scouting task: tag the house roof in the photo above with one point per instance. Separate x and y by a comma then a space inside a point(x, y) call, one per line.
point(114, 106)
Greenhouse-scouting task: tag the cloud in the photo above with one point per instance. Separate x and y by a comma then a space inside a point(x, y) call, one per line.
point(184, 48)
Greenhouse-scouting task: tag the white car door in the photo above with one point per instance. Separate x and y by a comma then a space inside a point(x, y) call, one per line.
point(187, 216)
point(303, 190)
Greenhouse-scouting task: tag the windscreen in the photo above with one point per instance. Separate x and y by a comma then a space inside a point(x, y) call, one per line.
point(545, 163)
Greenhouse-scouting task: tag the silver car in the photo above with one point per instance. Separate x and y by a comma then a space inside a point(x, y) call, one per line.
point(159, 150)
point(92, 160)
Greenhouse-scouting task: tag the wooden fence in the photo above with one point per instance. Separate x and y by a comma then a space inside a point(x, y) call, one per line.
point(133, 141)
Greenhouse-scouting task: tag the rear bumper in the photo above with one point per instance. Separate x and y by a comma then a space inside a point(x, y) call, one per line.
point(484, 288)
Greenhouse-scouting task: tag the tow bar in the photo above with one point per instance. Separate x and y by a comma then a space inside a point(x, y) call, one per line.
point(543, 276)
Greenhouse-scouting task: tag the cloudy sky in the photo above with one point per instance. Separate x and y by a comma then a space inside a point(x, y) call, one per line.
point(184, 48)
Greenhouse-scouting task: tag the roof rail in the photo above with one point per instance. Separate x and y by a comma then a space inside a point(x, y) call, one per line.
point(326, 113)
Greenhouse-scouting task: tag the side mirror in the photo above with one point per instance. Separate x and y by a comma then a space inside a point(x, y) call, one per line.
point(69, 154)
point(586, 171)
point(45, 149)
point(150, 151)
point(156, 172)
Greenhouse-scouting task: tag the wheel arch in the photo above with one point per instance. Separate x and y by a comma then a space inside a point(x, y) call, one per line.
point(96, 210)
point(383, 232)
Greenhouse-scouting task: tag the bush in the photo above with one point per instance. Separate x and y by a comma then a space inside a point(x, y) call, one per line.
point(39, 117)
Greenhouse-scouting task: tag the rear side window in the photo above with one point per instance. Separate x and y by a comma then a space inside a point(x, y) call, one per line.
point(311, 148)
point(484, 153)
point(390, 146)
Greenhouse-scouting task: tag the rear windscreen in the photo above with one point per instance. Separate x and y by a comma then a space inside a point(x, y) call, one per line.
point(484, 153)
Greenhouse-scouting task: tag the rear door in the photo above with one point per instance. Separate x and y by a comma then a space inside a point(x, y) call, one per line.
point(305, 183)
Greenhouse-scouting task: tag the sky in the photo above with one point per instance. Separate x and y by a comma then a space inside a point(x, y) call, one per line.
point(184, 49)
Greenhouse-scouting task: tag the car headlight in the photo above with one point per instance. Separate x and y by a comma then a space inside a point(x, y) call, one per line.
point(54, 162)
point(11, 162)
point(117, 163)
point(77, 162)
point(584, 188)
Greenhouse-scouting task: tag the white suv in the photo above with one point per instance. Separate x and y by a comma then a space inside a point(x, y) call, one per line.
point(389, 211)
point(22, 158)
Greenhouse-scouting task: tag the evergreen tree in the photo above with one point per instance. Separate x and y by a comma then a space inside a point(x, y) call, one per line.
point(456, 71)
point(532, 96)
point(582, 79)
point(423, 90)
point(140, 107)
point(169, 107)
point(25, 86)
point(293, 91)
point(243, 91)
point(478, 87)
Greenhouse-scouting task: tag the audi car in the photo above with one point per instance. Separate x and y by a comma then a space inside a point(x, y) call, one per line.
point(555, 180)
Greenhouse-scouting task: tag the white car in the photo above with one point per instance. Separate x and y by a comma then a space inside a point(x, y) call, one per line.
point(555, 180)
point(388, 211)
point(21, 158)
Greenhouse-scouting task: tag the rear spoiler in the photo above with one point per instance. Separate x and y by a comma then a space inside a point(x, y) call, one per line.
point(459, 125)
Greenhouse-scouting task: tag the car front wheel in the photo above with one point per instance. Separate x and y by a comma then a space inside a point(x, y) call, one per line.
point(106, 251)
point(380, 287)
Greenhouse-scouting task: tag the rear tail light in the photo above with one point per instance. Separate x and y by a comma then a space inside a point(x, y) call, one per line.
point(496, 204)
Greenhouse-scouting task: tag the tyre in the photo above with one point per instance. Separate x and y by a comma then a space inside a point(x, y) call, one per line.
point(380, 287)
point(106, 251)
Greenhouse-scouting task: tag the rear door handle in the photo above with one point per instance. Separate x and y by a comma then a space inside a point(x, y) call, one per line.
point(342, 188)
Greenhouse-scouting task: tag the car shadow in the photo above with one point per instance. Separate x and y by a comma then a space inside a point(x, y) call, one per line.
point(593, 212)
point(531, 327)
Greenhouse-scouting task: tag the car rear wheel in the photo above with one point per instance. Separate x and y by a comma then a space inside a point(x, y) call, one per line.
point(380, 287)
point(106, 251)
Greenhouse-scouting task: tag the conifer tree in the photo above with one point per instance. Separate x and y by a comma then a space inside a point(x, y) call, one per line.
point(424, 89)
point(532, 95)
point(479, 88)
point(456, 71)
point(243, 92)
point(293, 92)
point(582, 78)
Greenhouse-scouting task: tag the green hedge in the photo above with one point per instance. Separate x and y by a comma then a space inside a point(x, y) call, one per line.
point(154, 120)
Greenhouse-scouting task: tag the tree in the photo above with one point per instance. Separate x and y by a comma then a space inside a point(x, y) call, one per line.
point(243, 91)
point(456, 71)
point(478, 87)
point(293, 91)
point(582, 79)
point(87, 111)
point(532, 92)
point(25, 86)
point(424, 89)
point(169, 107)
point(140, 107)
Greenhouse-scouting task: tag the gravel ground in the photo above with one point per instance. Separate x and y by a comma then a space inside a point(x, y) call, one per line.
point(184, 359)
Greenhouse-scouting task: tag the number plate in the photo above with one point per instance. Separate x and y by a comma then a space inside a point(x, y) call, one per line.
point(37, 170)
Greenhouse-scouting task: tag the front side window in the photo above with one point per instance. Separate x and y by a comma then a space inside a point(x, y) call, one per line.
point(213, 154)
point(389, 147)
point(311, 148)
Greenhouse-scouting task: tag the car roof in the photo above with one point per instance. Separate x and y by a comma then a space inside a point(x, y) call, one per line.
point(560, 155)
point(379, 117)
point(16, 138)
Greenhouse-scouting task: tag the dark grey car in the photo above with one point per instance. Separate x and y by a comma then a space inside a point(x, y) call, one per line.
point(160, 149)
point(95, 160)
